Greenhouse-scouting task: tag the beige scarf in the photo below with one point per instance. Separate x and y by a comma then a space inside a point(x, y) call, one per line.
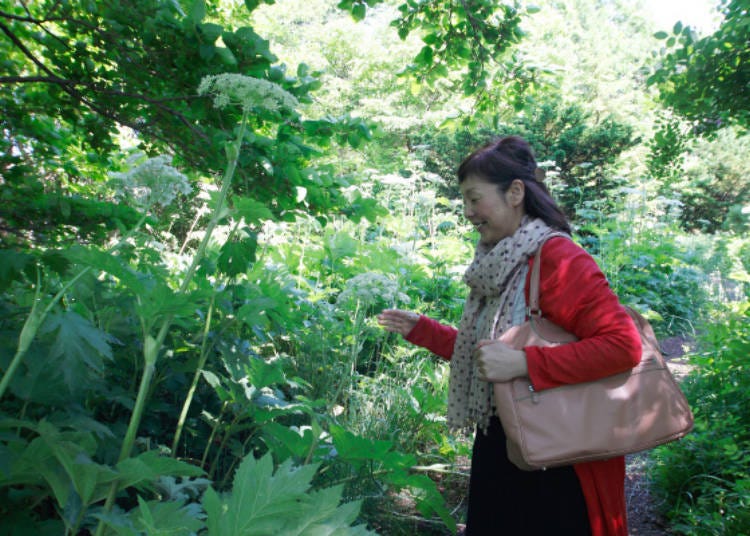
point(493, 278)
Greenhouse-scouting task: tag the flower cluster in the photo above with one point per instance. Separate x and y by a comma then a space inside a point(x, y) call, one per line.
point(247, 92)
point(371, 291)
point(153, 182)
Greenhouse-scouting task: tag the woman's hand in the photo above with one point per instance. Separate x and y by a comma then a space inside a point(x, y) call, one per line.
point(498, 362)
point(398, 321)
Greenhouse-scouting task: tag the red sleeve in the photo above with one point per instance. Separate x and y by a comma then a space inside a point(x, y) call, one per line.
point(436, 337)
point(574, 294)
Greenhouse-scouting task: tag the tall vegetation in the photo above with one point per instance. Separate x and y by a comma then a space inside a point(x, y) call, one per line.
point(204, 204)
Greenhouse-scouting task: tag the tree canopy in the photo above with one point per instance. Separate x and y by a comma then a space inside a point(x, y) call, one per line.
point(707, 79)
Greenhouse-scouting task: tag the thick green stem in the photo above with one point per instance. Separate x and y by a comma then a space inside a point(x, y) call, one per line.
point(223, 194)
point(152, 346)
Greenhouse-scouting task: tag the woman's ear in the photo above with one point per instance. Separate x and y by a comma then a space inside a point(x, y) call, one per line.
point(516, 192)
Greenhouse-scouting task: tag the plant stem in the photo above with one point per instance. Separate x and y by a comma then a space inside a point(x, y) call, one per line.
point(229, 432)
point(214, 431)
point(196, 377)
point(151, 345)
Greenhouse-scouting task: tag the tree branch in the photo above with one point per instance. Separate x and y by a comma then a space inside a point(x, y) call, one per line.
point(69, 86)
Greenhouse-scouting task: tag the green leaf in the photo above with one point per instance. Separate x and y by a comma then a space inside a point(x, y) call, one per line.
point(76, 341)
point(215, 513)
point(210, 32)
point(254, 312)
point(661, 35)
point(251, 210)
point(197, 11)
point(160, 299)
point(260, 500)
point(288, 442)
point(106, 262)
point(358, 450)
point(226, 56)
point(62, 460)
point(359, 11)
point(207, 51)
point(425, 56)
point(341, 245)
point(150, 465)
point(12, 265)
point(165, 518)
point(262, 374)
point(264, 501)
point(238, 255)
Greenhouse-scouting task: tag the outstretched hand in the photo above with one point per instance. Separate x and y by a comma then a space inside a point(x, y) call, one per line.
point(398, 321)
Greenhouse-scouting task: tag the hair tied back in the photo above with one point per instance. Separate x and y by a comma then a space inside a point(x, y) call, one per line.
point(539, 174)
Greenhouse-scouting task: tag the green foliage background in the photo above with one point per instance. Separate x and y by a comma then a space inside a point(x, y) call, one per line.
point(193, 350)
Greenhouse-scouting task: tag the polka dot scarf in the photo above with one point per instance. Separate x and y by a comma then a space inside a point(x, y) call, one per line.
point(493, 277)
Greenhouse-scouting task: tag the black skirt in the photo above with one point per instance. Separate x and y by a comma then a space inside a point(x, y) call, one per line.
point(504, 500)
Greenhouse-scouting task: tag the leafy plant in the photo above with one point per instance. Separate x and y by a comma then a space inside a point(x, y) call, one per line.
point(716, 58)
point(702, 480)
point(264, 501)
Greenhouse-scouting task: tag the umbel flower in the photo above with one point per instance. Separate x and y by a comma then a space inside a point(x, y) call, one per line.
point(152, 182)
point(370, 290)
point(231, 89)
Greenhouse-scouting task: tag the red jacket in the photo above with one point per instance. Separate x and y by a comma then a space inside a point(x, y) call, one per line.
point(574, 294)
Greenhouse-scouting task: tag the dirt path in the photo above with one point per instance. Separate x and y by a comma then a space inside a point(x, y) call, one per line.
point(643, 519)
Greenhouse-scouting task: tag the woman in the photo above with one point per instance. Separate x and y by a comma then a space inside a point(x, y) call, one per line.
point(514, 213)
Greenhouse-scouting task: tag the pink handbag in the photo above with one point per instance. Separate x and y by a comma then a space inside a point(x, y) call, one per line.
point(628, 412)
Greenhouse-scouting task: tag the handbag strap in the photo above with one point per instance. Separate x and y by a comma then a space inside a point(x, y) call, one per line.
point(533, 307)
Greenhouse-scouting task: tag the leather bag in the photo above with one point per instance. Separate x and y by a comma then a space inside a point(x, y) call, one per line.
point(621, 414)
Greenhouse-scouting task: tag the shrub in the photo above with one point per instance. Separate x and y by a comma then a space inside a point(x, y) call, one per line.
point(703, 481)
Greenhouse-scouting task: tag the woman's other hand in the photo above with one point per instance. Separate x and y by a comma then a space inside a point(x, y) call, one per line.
point(398, 321)
point(498, 362)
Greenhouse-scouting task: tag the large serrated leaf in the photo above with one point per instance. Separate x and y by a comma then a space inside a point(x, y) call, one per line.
point(77, 341)
point(166, 518)
point(265, 502)
point(237, 255)
point(265, 495)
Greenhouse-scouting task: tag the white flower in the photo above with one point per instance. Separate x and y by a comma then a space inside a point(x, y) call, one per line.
point(153, 182)
point(371, 290)
point(247, 92)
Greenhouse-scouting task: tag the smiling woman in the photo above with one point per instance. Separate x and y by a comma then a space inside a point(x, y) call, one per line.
point(495, 214)
point(503, 175)
point(515, 214)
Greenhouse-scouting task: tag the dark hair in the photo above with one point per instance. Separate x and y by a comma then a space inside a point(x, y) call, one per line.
point(502, 161)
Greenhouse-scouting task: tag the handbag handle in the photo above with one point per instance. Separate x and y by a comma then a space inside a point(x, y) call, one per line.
point(533, 307)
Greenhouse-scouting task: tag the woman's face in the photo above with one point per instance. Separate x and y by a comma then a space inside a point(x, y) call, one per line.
point(494, 214)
